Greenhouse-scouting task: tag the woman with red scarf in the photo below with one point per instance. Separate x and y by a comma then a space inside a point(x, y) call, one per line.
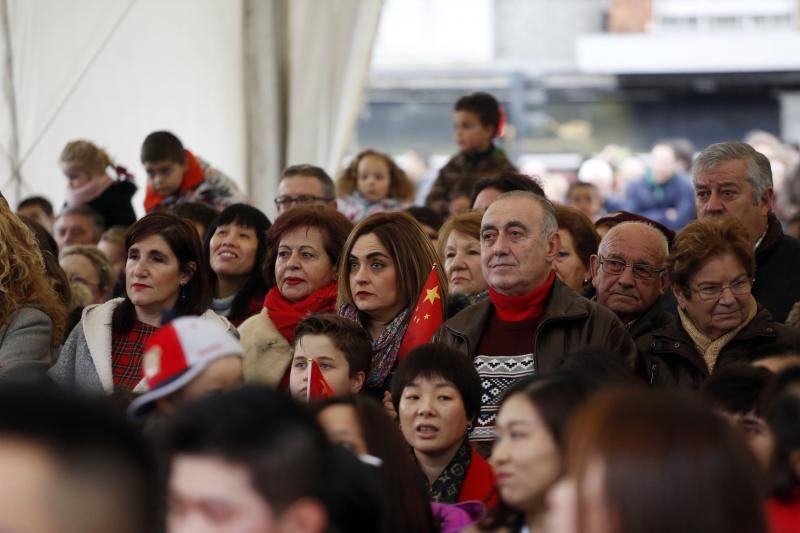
point(306, 243)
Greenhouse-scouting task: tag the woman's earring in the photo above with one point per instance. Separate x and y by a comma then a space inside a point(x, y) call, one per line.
point(183, 292)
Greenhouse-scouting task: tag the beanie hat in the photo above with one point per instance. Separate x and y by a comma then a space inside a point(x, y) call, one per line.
point(176, 353)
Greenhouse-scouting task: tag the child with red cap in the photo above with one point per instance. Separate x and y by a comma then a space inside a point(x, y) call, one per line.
point(188, 358)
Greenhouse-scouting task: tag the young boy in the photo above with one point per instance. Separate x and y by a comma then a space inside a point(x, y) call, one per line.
point(476, 121)
point(586, 198)
point(188, 358)
point(176, 175)
point(341, 348)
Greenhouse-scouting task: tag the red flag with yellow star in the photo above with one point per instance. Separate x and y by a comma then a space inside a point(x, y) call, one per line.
point(316, 388)
point(427, 316)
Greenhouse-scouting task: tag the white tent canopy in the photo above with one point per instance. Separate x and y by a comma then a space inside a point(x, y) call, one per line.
point(251, 85)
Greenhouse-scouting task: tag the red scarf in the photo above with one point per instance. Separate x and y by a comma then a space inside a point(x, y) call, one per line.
point(193, 177)
point(527, 306)
point(286, 315)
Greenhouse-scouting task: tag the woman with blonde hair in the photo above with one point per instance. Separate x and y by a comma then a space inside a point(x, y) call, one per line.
point(384, 266)
point(86, 167)
point(89, 267)
point(32, 317)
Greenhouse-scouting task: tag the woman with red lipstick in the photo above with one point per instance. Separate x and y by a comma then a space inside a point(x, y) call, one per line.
point(460, 253)
point(385, 263)
point(164, 274)
point(527, 456)
point(235, 249)
point(437, 393)
point(306, 242)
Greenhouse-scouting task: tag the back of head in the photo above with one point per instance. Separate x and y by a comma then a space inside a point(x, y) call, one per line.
point(782, 411)
point(505, 182)
point(737, 389)
point(284, 450)
point(196, 212)
point(162, 146)
point(668, 464)
point(98, 473)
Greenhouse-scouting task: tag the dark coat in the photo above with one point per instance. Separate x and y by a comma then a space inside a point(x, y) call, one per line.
point(115, 204)
point(652, 200)
point(655, 318)
point(777, 285)
point(668, 356)
point(461, 173)
point(569, 322)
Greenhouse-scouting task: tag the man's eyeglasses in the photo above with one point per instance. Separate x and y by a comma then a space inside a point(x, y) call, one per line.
point(712, 291)
point(640, 271)
point(302, 199)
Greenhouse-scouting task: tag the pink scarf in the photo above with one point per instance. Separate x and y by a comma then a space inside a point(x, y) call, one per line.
point(88, 191)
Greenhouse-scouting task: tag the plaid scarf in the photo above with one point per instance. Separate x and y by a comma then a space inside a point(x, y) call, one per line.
point(384, 348)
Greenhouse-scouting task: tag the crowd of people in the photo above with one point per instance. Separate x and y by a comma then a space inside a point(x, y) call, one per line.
point(597, 363)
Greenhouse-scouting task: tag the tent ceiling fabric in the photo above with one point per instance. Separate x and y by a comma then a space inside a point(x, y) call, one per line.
point(250, 85)
point(308, 65)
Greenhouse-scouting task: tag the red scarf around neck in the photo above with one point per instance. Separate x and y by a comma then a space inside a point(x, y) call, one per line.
point(286, 315)
point(193, 177)
point(524, 307)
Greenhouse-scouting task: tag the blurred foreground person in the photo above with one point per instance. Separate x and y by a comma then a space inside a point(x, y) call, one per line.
point(68, 465)
point(253, 460)
point(641, 461)
point(361, 425)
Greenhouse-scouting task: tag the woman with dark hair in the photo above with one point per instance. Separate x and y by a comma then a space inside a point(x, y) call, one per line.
point(235, 250)
point(305, 245)
point(528, 449)
point(640, 461)
point(436, 392)
point(361, 425)
point(385, 263)
point(164, 274)
point(579, 240)
point(712, 268)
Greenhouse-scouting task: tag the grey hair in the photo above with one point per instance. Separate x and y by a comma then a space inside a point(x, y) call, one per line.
point(549, 220)
point(759, 172)
point(610, 236)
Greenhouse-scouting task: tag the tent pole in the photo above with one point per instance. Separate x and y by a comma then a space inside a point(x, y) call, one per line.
point(11, 97)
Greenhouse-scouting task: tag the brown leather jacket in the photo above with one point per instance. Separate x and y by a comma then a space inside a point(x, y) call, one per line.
point(668, 356)
point(569, 322)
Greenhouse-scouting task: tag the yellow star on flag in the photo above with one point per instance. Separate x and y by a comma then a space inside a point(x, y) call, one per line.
point(432, 294)
point(427, 316)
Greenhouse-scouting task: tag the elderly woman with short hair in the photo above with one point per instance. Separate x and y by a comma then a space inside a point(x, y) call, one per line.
point(712, 268)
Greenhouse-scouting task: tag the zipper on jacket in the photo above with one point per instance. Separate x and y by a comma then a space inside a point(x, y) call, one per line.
point(653, 372)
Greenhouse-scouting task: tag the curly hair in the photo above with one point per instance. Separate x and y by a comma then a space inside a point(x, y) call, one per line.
point(23, 279)
point(400, 186)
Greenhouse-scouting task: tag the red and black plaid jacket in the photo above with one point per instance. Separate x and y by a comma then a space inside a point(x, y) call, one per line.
point(126, 355)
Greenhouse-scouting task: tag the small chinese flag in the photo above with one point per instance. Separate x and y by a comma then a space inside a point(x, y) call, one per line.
point(427, 316)
point(317, 388)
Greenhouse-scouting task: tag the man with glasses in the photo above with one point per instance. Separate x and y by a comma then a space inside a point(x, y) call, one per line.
point(630, 275)
point(304, 185)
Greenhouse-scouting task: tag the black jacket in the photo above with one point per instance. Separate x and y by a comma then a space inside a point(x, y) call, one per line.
point(115, 204)
point(668, 356)
point(777, 285)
